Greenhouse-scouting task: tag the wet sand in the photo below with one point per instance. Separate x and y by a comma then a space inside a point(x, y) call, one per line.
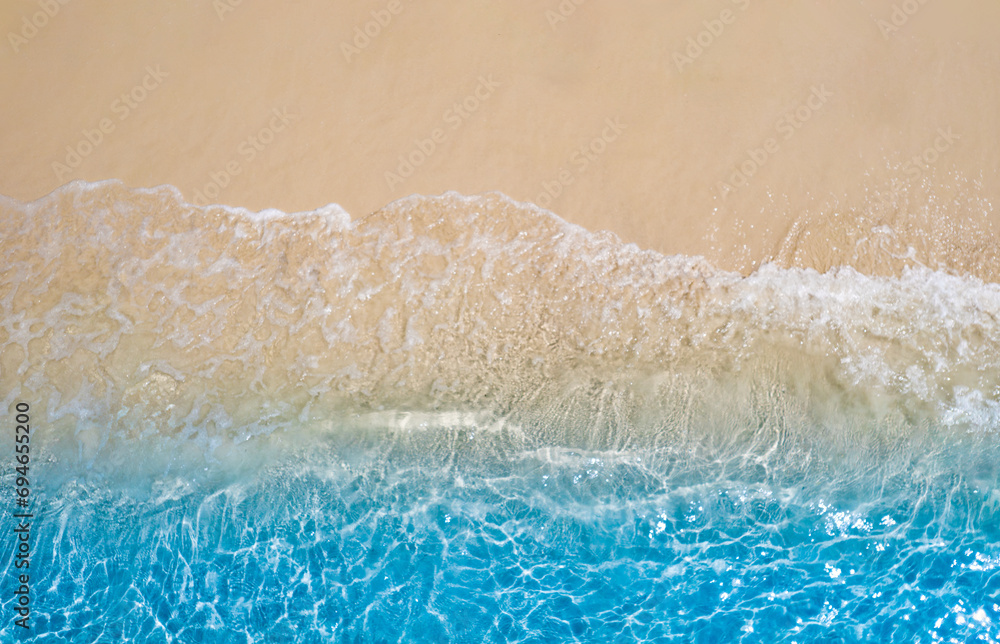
point(810, 134)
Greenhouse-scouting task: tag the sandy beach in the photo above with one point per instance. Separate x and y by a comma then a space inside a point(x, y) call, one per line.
point(808, 134)
point(519, 321)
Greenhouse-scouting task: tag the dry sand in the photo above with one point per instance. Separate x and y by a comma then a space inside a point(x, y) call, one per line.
point(808, 133)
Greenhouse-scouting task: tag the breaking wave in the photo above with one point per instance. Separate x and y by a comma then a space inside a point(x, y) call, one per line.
point(462, 418)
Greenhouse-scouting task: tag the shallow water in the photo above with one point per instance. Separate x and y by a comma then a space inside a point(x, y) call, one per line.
point(457, 536)
point(462, 419)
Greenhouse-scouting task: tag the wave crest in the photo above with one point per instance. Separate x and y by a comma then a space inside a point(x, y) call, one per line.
point(136, 311)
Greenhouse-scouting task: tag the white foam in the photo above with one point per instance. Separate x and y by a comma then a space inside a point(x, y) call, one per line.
point(446, 302)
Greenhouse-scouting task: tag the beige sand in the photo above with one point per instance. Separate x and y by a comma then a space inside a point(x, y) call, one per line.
point(809, 133)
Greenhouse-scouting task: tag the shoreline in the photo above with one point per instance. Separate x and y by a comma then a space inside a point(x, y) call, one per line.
point(881, 254)
point(646, 121)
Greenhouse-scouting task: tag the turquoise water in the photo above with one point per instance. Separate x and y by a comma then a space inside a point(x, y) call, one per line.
point(469, 421)
point(458, 538)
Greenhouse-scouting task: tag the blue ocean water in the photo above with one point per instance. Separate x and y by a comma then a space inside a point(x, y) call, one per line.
point(467, 421)
point(457, 538)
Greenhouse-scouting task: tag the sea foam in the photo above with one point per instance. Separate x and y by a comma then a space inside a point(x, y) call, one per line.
point(464, 419)
point(131, 313)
